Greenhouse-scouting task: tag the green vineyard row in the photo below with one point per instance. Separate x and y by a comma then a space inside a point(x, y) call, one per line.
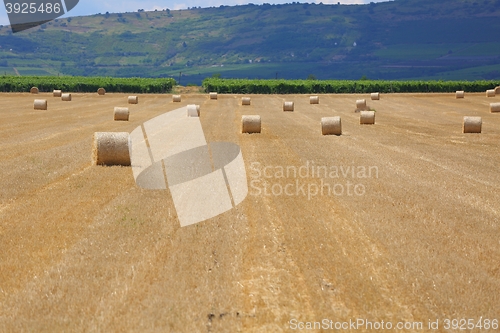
point(85, 84)
point(237, 86)
point(241, 86)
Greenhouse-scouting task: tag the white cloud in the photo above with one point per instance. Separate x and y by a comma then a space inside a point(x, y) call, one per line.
point(178, 6)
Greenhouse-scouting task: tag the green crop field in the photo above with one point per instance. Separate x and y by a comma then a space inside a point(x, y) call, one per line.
point(85, 84)
point(240, 86)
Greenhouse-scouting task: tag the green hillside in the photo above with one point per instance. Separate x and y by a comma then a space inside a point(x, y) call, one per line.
point(402, 39)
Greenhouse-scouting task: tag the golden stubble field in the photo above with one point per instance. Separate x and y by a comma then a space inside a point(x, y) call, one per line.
point(83, 249)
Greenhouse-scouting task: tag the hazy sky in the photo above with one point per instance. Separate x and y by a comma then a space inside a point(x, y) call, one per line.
point(89, 7)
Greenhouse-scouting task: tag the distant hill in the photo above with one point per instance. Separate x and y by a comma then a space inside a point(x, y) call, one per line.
point(402, 39)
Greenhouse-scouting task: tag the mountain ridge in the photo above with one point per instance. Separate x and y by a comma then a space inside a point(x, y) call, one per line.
point(402, 39)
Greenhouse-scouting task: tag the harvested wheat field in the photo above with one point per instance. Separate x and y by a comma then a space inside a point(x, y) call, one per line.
point(396, 222)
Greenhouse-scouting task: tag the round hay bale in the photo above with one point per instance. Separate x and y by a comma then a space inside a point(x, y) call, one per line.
point(111, 148)
point(460, 94)
point(34, 90)
point(497, 90)
point(193, 111)
point(472, 125)
point(495, 107)
point(57, 93)
point(288, 106)
point(121, 114)
point(101, 91)
point(331, 126)
point(176, 98)
point(314, 100)
point(367, 117)
point(40, 104)
point(133, 100)
point(490, 93)
point(213, 95)
point(245, 101)
point(361, 105)
point(250, 124)
point(375, 96)
point(66, 97)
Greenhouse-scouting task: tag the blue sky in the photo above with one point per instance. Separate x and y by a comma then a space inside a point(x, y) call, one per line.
point(90, 7)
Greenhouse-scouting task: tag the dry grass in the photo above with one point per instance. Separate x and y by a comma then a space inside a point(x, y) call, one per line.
point(83, 249)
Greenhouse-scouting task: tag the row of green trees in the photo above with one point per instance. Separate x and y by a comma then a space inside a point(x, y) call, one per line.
point(237, 86)
point(242, 86)
point(85, 84)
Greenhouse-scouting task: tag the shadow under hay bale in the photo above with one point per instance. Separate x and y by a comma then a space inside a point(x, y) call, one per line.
point(111, 148)
point(250, 124)
point(331, 125)
point(472, 125)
